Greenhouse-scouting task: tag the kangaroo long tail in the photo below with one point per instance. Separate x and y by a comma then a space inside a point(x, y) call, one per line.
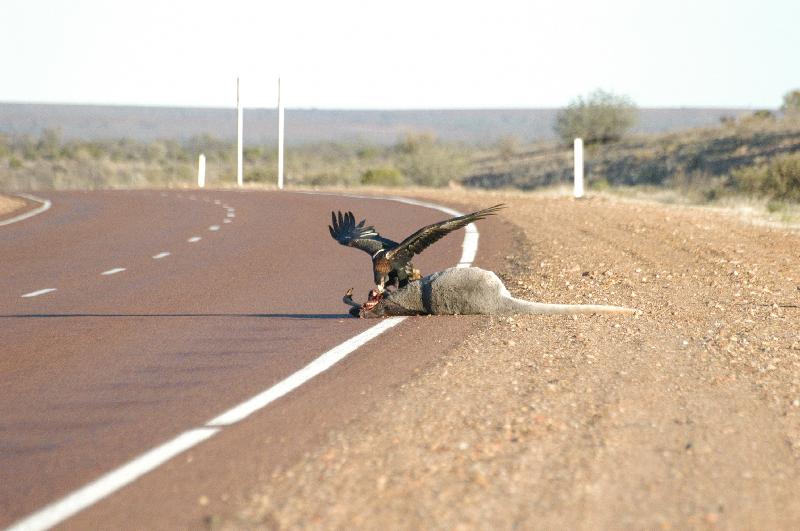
point(515, 305)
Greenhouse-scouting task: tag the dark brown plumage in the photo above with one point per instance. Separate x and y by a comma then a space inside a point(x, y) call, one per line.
point(391, 261)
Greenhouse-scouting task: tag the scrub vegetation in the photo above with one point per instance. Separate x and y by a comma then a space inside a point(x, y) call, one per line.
point(754, 156)
point(49, 162)
point(751, 156)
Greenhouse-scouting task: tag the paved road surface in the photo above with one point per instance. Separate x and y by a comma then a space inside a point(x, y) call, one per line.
point(135, 346)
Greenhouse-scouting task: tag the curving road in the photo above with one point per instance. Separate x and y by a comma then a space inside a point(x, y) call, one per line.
point(127, 318)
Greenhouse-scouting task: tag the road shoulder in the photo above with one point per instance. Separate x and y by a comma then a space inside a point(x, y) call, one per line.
point(684, 416)
point(12, 205)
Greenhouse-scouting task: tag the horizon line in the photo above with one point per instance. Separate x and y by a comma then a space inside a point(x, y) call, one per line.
point(366, 109)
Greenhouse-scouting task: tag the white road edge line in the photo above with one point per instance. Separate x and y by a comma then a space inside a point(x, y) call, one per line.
point(159, 256)
point(46, 204)
point(292, 382)
point(37, 293)
point(98, 489)
point(113, 271)
point(109, 483)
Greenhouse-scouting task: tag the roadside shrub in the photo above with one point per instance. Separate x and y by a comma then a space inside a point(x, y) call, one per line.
point(763, 114)
point(385, 176)
point(252, 154)
point(775, 206)
point(778, 180)
point(508, 146)
point(5, 148)
point(260, 174)
point(426, 162)
point(368, 152)
point(49, 145)
point(325, 179)
point(599, 185)
point(415, 142)
point(791, 102)
point(599, 118)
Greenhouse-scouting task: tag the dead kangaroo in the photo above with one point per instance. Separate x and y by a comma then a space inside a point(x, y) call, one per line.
point(461, 291)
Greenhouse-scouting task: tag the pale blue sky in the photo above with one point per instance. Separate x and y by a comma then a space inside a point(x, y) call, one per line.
point(410, 54)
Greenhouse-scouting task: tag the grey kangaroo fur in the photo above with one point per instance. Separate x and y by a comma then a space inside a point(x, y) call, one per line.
point(463, 291)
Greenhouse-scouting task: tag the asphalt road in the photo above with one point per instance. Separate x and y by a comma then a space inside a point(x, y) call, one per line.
point(135, 346)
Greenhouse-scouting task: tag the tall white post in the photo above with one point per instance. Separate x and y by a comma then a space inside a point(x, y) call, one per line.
point(239, 178)
point(280, 138)
point(201, 171)
point(578, 168)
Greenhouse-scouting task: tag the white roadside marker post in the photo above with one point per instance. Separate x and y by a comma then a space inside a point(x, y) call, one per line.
point(239, 178)
point(201, 171)
point(578, 162)
point(280, 138)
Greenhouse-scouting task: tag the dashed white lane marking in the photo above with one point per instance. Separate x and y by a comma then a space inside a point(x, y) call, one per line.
point(231, 214)
point(217, 202)
point(194, 239)
point(226, 221)
point(95, 491)
point(37, 293)
point(46, 204)
point(160, 255)
point(213, 228)
point(113, 271)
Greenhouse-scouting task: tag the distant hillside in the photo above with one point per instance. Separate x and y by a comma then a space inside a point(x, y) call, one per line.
point(309, 126)
point(755, 155)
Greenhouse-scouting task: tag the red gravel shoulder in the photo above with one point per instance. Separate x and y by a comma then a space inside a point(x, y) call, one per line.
point(686, 415)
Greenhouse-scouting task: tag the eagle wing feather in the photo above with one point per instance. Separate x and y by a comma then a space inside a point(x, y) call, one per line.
point(343, 229)
point(426, 236)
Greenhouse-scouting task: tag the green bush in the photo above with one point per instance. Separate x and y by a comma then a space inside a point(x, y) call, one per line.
point(5, 148)
point(252, 154)
point(763, 114)
point(791, 102)
point(426, 162)
point(386, 176)
point(49, 145)
point(414, 143)
point(325, 179)
point(507, 146)
point(599, 185)
point(778, 180)
point(600, 118)
point(260, 174)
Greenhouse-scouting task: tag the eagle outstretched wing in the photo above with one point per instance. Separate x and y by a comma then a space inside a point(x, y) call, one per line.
point(343, 229)
point(420, 240)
